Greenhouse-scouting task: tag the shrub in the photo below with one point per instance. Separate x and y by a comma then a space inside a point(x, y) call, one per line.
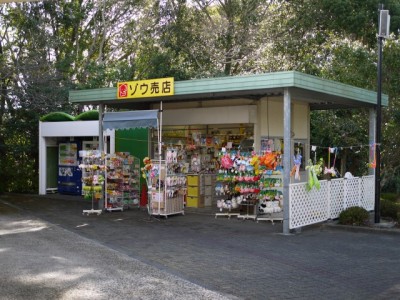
point(91, 115)
point(56, 117)
point(392, 197)
point(354, 216)
point(389, 209)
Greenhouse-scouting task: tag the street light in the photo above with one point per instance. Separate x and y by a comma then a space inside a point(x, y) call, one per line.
point(384, 22)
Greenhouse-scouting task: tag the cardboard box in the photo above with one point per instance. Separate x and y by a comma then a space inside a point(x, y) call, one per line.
point(157, 205)
point(157, 196)
point(194, 201)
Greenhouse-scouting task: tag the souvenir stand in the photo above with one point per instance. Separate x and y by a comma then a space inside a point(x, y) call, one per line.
point(250, 186)
point(155, 171)
point(237, 185)
point(271, 182)
point(92, 167)
point(166, 188)
point(271, 197)
point(122, 181)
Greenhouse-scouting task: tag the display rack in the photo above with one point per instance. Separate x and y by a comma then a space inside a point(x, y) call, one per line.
point(166, 189)
point(237, 185)
point(227, 204)
point(88, 146)
point(122, 181)
point(250, 204)
point(92, 167)
point(207, 187)
point(271, 198)
point(227, 208)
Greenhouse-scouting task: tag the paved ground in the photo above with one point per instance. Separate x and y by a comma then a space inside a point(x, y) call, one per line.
point(47, 246)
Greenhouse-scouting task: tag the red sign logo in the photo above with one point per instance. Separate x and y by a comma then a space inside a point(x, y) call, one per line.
point(123, 90)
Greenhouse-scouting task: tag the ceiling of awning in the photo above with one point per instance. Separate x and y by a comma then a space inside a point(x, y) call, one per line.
point(130, 119)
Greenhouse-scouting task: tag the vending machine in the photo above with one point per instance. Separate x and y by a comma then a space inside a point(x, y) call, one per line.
point(69, 173)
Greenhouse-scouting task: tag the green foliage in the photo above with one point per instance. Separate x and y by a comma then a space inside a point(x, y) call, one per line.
point(389, 209)
point(88, 115)
point(57, 117)
point(342, 128)
point(354, 216)
point(392, 197)
point(51, 47)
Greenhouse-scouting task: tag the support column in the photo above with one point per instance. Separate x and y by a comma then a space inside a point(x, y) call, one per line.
point(101, 149)
point(286, 157)
point(372, 136)
point(101, 138)
point(42, 162)
point(256, 116)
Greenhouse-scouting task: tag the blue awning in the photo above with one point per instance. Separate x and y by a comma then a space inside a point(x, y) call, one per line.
point(130, 119)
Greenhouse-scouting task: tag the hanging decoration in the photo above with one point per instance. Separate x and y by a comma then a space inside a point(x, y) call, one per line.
point(297, 163)
point(314, 149)
point(331, 171)
point(313, 172)
point(372, 155)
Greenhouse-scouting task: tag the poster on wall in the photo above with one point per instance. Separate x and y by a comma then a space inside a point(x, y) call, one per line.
point(65, 171)
point(271, 144)
point(68, 154)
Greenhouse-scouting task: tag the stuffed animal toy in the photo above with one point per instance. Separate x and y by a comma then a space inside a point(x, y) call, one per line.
point(226, 162)
point(266, 207)
point(269, 160)
point(296, 168)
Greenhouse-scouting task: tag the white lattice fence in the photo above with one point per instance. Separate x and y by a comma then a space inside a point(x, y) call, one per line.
point(308, 208)
point(329, 201)
point(368, 192)
point(351, 192)
point(336, 199)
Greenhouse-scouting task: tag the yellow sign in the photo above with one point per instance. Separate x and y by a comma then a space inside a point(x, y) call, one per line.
point(145, 88)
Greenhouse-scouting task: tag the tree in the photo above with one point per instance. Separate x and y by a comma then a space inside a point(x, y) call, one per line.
point(46, 49)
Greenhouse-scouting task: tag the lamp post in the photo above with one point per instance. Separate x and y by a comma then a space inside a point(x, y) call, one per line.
point(384, 21)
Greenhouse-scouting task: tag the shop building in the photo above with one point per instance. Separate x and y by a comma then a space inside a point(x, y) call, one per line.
point(203, 116)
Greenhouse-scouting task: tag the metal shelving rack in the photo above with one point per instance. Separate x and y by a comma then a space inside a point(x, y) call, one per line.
point(93, 176)
point(122, 181)
point(167, 191)
point(275, 186)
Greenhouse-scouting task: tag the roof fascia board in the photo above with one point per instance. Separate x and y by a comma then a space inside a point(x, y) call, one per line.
point(240, 85)
point(338, 89)
point(207, 86)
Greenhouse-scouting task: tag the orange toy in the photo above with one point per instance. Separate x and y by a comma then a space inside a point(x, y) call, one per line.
point(269, 160)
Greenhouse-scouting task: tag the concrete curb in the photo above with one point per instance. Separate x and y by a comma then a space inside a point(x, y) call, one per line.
point(372, 229)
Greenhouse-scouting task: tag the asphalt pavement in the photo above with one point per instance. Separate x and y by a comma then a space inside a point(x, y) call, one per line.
point(49, 250)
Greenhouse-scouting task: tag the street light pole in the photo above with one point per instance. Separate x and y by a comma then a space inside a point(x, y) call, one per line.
point(383, 21)
point(378, 135)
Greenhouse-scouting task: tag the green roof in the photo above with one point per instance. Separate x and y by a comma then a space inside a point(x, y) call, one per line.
point(320, 93)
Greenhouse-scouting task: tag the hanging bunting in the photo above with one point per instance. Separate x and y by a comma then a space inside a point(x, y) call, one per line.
point(314, 149)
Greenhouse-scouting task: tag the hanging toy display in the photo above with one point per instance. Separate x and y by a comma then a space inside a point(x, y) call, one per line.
point(195, 164)
point(372, 156)
point(331, 171)
point(269, 160)
point(313, 172)
point(226, 162)
point(297, 163)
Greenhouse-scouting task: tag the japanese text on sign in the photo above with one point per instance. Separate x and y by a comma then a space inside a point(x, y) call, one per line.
point(145, 88)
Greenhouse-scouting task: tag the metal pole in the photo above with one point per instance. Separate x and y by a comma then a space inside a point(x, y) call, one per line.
point(378, 130)
point(286, 158)
point(372, 137)
point(101, 143)
point(101, 149)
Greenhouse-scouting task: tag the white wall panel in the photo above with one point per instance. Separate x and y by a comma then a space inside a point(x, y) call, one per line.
point(71, 128)
point(216, 115)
